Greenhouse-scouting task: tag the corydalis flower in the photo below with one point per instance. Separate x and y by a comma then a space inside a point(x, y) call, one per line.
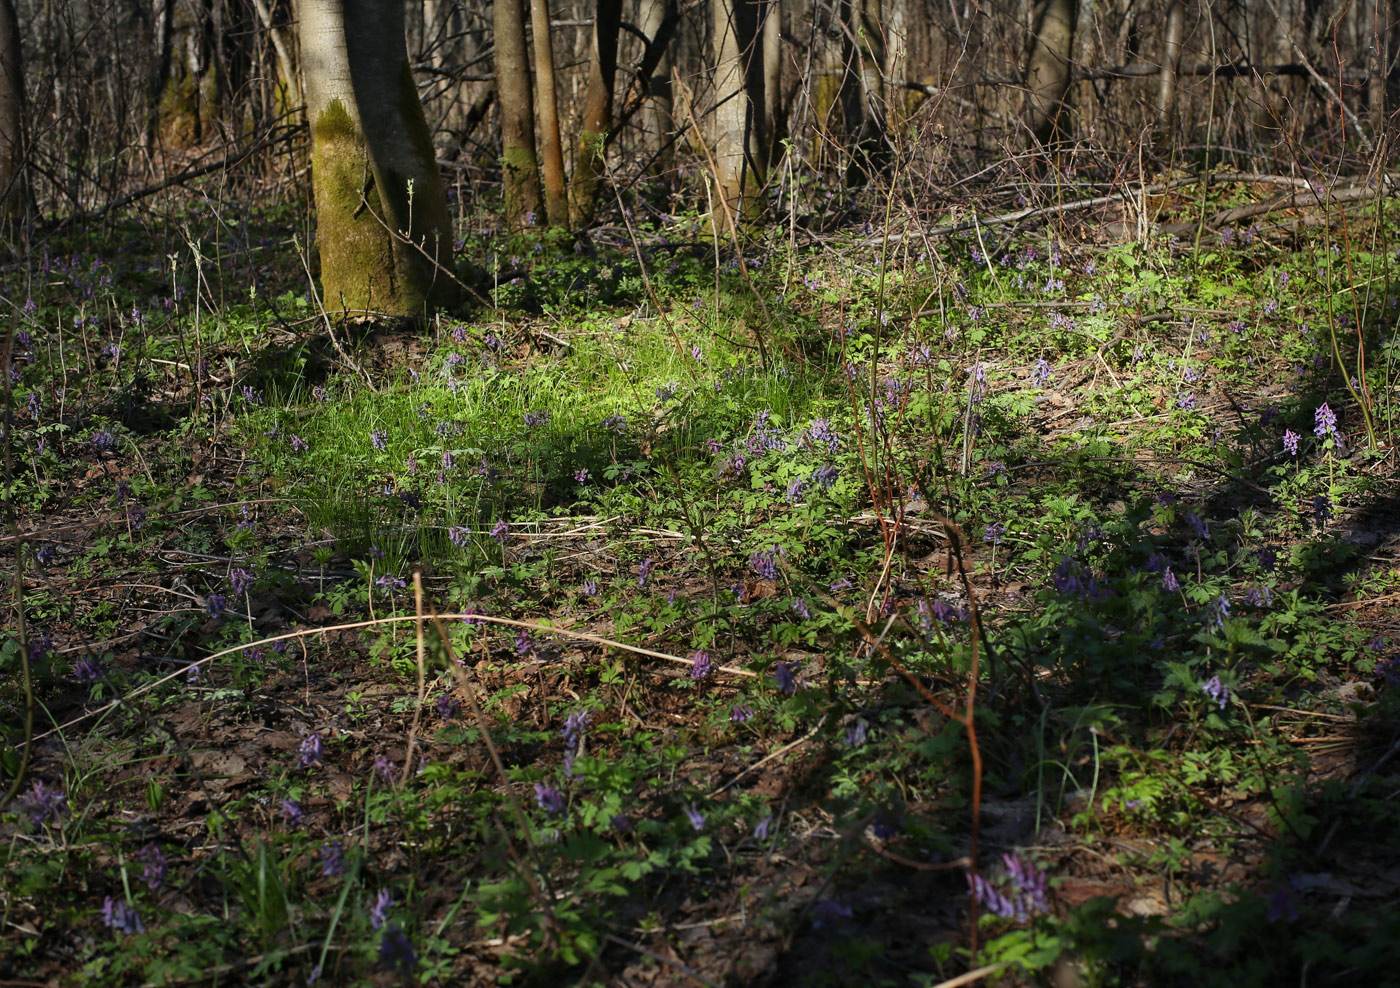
point(153, 866)
point(549, 799)
point(1325, 424)
point(332, 859)
point(310, 751)
point(742, 713)
point(42, 803)
point(765, 562)
point(241, 580)
point(119, 916)
point(644, 572)
point(292, 812)
point(1217, 691)
point(379, 439)
point(1023, 893)
point(786, 675)
point(382, 902)
point(1290, 442)
point(396, 950)
point(500, 532)
point(696, 818)
point(700, 664)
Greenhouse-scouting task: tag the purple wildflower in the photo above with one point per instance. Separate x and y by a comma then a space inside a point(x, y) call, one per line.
point(785, 674)
point(310, 750)
point(386, 770)
point(292, 812)
point(763, 827)
point(1216, 690)
point(993, 533)
point(390, 584)
point(856, 733)
point(500, 532)
point(241, 580)
point(700, 664)
point(382, 902)
point(87, 670)
point(459, 535)
point(215, 604)
point(446, 707)
point(1169, 581)
point(43, 804)
point(742, 713)
point(590, 588)
point(581, 475)
point(525, 642)
point(1042, 373)
point(396, 950)
point(332, 859)
point(801, 608)
point(299, 445)
point(121, 917)
point(549, 799)
point(379, 439)
point(696, 818)
point(1290, 442)
point(644, 572)
point(153, 866)
point(1325, 426)
point(765, 562)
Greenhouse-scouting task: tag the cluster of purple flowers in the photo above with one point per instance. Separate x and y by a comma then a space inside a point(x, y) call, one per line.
point(574, 727)
point(1023, 894)
point(120, 916)
point(765, 561)
point(700, 664)
point(310, 750)
point(1325, 424)
point(43, 804)
point(1215, 690)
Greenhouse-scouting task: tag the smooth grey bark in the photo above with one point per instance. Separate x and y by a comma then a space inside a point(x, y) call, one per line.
point(1047, 73)
point(732, 122)
point(1171, 58)
point(382, 223)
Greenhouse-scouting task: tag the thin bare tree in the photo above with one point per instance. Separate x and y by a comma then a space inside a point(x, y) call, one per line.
point(556, 191)
point(1048, 70)
point(12, 184)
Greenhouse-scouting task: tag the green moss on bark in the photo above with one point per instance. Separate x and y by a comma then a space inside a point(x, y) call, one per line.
point(357, 257)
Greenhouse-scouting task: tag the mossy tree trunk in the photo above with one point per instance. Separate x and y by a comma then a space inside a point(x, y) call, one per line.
point(1047, 73)
point(520, 169)
point(12, 183)
point(597, 112)
point(556, 190)
point(382, 223)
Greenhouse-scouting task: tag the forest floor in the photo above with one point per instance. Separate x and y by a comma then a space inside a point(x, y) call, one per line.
point(752, 622)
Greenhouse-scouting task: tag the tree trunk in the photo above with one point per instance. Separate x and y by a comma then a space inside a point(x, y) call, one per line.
point(770, 80)
point(1171, 57)
point(556, 193)
point(659, 115)
point(382, 219)
point(1047, 74)
point(734, 139)
point(862, 97)
point(12, 184)
point(520, 170)
point(288, 91)
point(597, 111)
